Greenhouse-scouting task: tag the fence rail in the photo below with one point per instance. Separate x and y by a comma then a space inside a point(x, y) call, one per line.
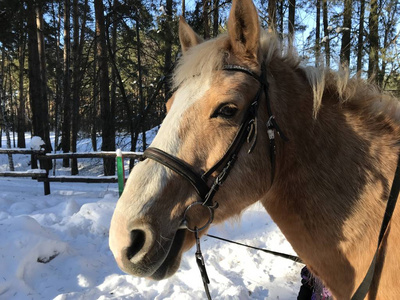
point(21, 151)
point(35, 174)
point(42, 175)
point(102, 154)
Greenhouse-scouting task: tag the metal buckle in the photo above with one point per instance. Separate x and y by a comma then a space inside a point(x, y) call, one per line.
point(184, 224)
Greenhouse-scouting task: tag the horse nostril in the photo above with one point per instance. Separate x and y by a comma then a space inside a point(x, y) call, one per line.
point(137, 243)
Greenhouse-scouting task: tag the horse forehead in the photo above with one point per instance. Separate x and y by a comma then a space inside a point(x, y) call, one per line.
point(186, 96)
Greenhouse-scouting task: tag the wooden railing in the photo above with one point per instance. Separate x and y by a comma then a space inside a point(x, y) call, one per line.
point(43, 175)
point(34, 172)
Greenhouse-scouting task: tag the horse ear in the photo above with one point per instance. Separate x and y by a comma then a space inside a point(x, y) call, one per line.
point(187, 36)
point(244, 28)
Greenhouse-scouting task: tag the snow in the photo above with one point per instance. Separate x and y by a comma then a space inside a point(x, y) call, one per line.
point(56, 247)
point(37, 143)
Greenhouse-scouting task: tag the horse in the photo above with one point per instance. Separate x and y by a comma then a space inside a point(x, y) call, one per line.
point(316, 147)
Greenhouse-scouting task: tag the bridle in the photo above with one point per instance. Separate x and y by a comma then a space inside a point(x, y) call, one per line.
point(246, 132)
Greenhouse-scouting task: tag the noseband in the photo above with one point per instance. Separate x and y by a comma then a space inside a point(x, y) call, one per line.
point(247, 132)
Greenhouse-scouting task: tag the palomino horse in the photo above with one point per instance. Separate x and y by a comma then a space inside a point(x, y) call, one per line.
point(331, 142)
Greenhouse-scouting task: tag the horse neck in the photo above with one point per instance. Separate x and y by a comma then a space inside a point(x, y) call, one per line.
point(332, 177)
point(332, 156)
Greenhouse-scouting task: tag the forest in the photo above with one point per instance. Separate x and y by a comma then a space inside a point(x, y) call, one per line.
point(94, 68)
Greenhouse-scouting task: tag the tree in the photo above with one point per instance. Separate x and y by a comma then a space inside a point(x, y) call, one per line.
point(373, 62)
point(168, 42)
point(66, 125)
point(360, 43)
point(390, 21)
point(346, 33)
point(37, 73)
point(21, 62)
point(271, 15)
point(107, 120)
point(216, 17)
point(77, 49)
point(318, 33)
point(326, 33)
point(3, 116)
point(58, 72)
point(291, 19)
point(206, 24)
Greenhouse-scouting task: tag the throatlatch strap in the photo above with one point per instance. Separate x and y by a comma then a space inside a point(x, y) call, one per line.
point(363, 289)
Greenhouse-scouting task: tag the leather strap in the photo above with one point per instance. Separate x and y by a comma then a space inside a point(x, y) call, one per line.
point(363, 289)
point(180, 167)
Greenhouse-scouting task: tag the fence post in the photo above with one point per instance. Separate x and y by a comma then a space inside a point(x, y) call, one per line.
point(45, 163)
point(120, 171)
point(46, 184)
point(34, 164)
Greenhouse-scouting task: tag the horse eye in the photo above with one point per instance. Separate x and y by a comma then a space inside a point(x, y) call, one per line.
point(226, 111)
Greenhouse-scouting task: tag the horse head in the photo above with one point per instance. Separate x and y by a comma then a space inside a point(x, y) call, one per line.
point(204, 117)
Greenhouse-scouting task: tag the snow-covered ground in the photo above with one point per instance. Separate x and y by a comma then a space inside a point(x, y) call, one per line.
point(56, 247)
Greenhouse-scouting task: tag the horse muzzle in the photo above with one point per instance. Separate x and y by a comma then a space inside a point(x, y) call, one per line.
point(140, 249)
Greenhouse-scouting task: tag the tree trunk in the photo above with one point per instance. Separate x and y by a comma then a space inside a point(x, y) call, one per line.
point(206, 24)
point(35, 83)
point(93, 130)
point(216, 17)
point(75, 85)
point(346, 34)
point(43, 103)
point(318, 34)
point(271, 15)
point(360, 43)
point(37, 96)
point(144, 140)
point(183, 8)
point(77, 77)
point(326, 33)
point(113, 48)
point(66, 125)
point(125, 100)
point(140, 79)
point(291, 20)
point(168, 46)
point(281, 17)
point(57, 99)
point(3, 109)
point(108, 132)
point(21, 103)
point(373, 63)
point(390, 28)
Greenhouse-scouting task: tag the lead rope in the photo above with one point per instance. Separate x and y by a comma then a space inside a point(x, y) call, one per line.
point(201, 264)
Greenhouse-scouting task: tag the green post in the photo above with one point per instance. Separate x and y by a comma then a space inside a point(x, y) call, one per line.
point(120, 171)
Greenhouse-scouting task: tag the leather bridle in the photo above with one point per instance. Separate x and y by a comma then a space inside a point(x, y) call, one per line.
point(247, 132)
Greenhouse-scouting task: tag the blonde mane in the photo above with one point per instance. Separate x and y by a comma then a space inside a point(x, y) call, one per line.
point(201, 61)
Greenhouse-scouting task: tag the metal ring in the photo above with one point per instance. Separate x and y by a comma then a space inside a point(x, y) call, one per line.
point(211, 218)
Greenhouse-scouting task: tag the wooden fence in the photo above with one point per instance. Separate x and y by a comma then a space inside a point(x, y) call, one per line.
point(43, 175)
